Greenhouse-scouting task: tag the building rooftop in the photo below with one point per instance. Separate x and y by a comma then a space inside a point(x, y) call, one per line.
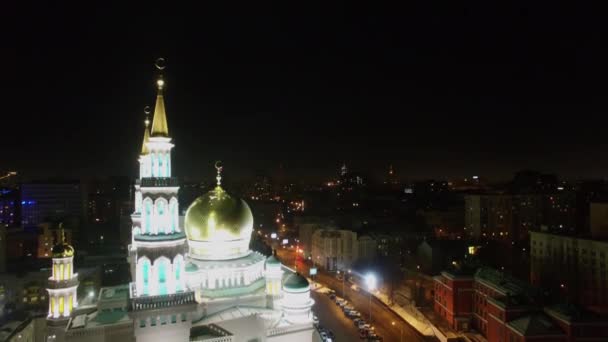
point(505, 283)
point(536, 324)
point(511, 301)
point(574, 313)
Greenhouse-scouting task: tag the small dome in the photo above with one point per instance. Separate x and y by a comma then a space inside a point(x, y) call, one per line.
point(62, 250)
point(190, 267)
point(296, 282)
point(217, 216)
point(272, 260)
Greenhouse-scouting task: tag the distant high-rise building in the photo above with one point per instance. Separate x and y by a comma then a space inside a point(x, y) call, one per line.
point(41, 202)
point(575, 266)
point(509, 217)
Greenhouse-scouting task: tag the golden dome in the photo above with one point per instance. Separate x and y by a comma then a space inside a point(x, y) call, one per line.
point(217, 216)
point(62, 249)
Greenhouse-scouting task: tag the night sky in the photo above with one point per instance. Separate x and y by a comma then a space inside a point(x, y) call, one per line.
point(437, 91)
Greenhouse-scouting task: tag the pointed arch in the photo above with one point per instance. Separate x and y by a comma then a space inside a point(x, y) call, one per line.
point(173, 215)
point(161, 215)
point(143, 275)
point(162, 267)
point(147, 229)
point(178, 271)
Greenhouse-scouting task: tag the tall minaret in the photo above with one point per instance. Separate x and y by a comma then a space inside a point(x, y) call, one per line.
point(63, 282)
point(158, 243)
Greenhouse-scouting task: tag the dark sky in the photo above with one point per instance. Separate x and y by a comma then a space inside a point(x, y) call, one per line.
point(438, 91)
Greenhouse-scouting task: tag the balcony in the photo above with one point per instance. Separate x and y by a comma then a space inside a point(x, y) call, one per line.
point(160, 301)
point(159, 182)
point(61, 284)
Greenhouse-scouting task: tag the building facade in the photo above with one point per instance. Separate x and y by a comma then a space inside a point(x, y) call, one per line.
point(575, 267)
point(334, 250)
point(503, 308)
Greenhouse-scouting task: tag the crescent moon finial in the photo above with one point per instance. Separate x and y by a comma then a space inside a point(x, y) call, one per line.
point(147, 111)
point(160, 64)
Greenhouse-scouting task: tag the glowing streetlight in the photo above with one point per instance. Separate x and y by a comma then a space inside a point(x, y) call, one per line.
point(370, 282)
point(400, 330)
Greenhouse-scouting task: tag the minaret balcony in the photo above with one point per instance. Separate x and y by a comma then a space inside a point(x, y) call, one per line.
point(62, 284)
point(150, 182)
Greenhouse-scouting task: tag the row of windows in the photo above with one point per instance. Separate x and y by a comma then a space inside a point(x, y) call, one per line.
point(163, 320)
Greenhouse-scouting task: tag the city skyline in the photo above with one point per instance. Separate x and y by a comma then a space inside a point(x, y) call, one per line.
point(430, 93)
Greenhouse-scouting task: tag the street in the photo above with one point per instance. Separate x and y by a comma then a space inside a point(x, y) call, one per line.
point(331, 317)
point(382, 317)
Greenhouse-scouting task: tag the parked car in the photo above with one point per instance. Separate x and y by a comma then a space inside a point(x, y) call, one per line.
point(362, 333)
point(347, 308)
point(315, 319)
point(332, 296)
point(356, 321)
point(354, 314)
point(323, 336)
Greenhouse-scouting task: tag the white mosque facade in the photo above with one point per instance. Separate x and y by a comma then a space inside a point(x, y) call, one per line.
point(196, 281)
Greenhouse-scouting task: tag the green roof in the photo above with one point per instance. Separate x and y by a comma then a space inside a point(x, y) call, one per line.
point(272, 260)
point(109, 316)
point(190, 267)
point(296, 282)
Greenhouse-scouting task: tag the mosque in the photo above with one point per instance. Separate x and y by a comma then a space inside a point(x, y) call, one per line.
point(194, 276)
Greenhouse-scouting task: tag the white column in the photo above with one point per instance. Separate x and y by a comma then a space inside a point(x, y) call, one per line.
point(56, 308)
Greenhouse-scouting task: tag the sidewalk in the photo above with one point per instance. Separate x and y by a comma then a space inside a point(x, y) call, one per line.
point(412, 318)
point(427, 327)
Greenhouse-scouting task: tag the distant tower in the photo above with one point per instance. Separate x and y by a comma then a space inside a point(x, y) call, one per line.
point(343, 170)
point(63, 282)
point(391, 177)
point(273, 274)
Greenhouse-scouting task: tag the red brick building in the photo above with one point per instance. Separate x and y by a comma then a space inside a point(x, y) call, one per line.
point(506, 309)
point(453, 298)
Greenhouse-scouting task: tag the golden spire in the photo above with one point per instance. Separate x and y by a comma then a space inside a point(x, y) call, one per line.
point(219, 168)
point(144, 145)
point(61, 232)
point(159, 120)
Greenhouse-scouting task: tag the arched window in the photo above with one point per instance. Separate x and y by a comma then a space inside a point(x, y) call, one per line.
point(162, 216)
point(173, 215)
point(162, 271)
point(147, 216)
point(178, 265)
point(138, 202)
point(161, 165)
point(168, 164)
point(145, 275)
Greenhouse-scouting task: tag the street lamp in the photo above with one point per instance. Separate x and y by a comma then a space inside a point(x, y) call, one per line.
point(400, 331)
point(370, 281)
